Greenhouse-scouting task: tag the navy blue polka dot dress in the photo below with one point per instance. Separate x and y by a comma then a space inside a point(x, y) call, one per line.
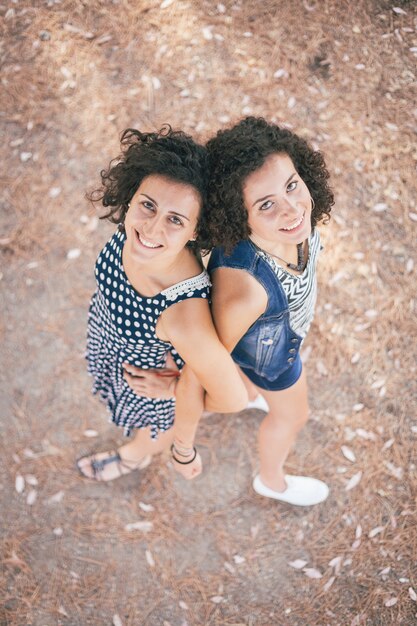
point(121, 328)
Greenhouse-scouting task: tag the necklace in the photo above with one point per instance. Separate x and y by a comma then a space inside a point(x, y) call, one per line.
point(300, 257)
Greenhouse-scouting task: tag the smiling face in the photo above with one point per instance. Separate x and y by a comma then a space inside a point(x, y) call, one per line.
point(161, 219)
point(279, 205)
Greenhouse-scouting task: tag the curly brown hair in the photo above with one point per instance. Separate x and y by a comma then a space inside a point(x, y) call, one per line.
point(235, 153)
point(169, 153)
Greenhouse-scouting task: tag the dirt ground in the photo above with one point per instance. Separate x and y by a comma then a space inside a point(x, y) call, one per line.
point(212, 552)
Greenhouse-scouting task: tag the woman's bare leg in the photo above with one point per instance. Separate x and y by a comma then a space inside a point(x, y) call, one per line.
point(278, 430)
point(250, 387)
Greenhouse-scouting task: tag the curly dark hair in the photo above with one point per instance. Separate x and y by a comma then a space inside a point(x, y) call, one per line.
point(235, 153)
point(169, 153)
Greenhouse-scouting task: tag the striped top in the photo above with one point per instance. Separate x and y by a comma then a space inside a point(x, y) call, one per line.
point(300, 289)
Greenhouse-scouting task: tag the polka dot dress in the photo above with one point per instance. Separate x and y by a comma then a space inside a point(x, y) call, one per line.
point(121, 328)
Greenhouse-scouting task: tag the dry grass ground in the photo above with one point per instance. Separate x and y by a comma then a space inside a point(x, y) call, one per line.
point(74, 75)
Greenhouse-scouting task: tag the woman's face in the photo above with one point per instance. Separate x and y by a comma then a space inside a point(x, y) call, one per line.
point(162, 218)
point(278, 203)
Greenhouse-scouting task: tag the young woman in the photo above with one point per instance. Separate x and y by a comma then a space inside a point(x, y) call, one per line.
point(268, 191)
point(152, 299)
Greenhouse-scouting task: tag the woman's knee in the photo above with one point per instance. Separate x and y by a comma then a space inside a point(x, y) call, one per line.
point(295, 420)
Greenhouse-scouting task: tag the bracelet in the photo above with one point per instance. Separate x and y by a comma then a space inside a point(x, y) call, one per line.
point(183, 462)
point(182, 450)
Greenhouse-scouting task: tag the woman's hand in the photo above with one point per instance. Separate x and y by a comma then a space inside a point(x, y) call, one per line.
point(153, 383)
point(191, 470)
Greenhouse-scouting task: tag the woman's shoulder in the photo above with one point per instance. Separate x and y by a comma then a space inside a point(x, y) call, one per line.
point(197, 285)
point(240, 257)
point(191, 280)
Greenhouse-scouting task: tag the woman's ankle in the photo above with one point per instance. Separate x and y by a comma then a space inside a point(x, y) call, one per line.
point(276, 482)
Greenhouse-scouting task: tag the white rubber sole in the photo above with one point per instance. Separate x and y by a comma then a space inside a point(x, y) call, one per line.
point(300, 491)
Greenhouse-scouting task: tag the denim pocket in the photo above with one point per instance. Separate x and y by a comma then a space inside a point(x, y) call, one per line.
point(270, 348)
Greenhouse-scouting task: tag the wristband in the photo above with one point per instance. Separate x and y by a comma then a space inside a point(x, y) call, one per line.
point(183, 462)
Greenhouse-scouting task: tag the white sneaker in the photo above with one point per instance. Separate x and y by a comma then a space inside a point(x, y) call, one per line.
point(301, 490)
point(259, 403)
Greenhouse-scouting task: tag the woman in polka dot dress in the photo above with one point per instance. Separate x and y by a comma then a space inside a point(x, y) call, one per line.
point(155, 191)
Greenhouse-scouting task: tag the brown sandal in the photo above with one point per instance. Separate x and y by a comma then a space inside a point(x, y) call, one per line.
point(123, 466)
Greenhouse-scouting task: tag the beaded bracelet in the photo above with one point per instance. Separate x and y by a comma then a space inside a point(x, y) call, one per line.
point(183, 462)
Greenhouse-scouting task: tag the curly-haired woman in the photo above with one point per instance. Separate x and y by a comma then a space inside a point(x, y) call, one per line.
point(152, 300)
point(268, 190)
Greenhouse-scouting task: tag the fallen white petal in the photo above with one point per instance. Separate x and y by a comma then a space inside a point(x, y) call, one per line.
point(378, 384)
point(298, 564)
point(336, 563)
point(329, 583)
point(207, 34)
point(217, 599)
point(54, 192)
point(385, 571)
point(358, 532)
point(62, 611)
point(57, 497)
point(388, 444)
point(355, 358)
point(281, 73)
point(380, 206)
point(354, 481)
point(397, 472)
point(90, 433)
point(19, 483)
point(149, 558)
point(291, 102)
point(412, 594)
point(31, 498)
point(311, 572)
point(92, 224)
point(146, 507)
point(376, 531)
point(58, 532)
point(365, 434)
point(166, 3)
point(391, 602)
point(399, 11)
point(117, 621)
point(143, 526)
point(183, 605)
point(74, 253)
point(31, 480)
point(348, 454)
point(229, 568)
point(358, 407)
point(239, 559)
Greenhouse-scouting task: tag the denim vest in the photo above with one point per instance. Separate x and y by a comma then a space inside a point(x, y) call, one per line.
point(269, 347)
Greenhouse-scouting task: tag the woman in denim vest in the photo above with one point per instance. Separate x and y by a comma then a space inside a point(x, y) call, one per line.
point(268, 191)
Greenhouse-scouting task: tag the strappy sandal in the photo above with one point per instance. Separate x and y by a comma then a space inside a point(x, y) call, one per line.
point(97, 466)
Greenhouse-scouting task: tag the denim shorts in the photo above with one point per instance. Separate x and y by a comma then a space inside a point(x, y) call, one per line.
point(286, 379)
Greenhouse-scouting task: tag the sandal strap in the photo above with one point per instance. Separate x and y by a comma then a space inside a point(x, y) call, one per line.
point(124, 466)
point(98, 465)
